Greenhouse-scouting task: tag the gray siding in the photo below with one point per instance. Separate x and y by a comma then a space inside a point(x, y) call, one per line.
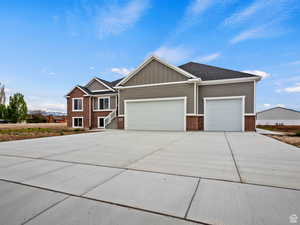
point(164, 91)
point(278, 114)
point(155, 72)
point(95, 85)
point(113, 103)
point(222, 90)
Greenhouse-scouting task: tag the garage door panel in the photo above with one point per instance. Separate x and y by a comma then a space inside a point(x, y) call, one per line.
point(223, 115)
point(155, 115)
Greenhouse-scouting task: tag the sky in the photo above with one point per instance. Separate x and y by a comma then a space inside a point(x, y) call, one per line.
point(47, 47)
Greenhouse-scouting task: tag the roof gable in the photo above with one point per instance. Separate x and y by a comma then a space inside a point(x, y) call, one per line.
point(95, 85)
point(154, 70)
point(99, 83)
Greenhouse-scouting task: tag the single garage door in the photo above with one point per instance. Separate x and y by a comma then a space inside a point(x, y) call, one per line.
point(155, 114)
point(224, 114)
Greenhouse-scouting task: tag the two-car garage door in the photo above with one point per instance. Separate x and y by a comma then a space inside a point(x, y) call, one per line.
point(155, 114)
point(220, 114)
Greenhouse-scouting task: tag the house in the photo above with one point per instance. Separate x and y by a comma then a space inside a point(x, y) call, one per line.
point(161, 96)
point(278, 116)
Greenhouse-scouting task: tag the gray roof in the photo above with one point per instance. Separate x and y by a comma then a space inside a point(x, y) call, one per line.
point(206, 72)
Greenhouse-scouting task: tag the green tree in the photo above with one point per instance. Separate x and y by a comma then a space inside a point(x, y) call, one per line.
point(3, 111)
point(17, 108)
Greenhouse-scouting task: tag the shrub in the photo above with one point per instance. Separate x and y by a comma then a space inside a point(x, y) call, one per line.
point(298, 133)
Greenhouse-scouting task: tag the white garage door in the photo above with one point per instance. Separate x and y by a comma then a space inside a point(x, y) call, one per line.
point(155, 114)
point(224, 114)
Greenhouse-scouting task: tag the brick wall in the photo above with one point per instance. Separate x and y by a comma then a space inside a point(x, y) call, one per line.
point(120, 122)
point(77, 93)
point(192, 123)
point(250, 123)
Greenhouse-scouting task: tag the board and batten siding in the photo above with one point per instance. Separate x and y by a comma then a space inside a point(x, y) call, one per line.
point(222, 90)
point(155, 72)
point(164, 91)
point(95, 85)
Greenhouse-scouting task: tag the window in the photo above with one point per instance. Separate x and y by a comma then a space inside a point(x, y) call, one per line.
point(101, 122)
point(102, 103)
point(77, 104)
point(77, 122)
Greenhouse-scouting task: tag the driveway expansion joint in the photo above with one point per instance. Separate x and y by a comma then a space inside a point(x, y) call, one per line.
point(232, 155)
point(192, 199)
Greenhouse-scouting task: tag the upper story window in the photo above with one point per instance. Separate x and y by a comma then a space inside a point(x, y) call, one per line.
point(102, 103)
point(77, 104)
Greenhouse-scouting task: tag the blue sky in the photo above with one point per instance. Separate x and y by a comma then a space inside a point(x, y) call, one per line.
point(47, 47)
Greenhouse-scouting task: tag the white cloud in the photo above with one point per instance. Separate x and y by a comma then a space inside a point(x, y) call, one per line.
point(244, 14)
point(260, 73)
point(122, 71)
point(252, 33)
point(262, 10)
point(208, 58)
point(198, 6)
point(280, 105)
point(114, 19)
point(293, 89)
point(173, 54)
point(92, 68)
point(295, 62)
point(51, 73)
point(266, 105)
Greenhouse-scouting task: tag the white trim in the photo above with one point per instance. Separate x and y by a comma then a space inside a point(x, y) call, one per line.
point(184, 98)
point(121, 115)
point(102, 90)
point(153, 99)
point(77, 110)
point(157, 84)
point(150, 59)
point(118, 105)
point(98, 123)
point(192, 114)
point(105, 85)
point(227, 97)
point(229, 81)
point(249, 114)
point(99, 95)
point(77, 117)
point(67, 95)
point(102, 110)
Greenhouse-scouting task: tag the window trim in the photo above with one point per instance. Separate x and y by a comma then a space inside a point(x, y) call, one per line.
point(77, 110)
point(77, 117)
point(109, 104)
point(98, 119)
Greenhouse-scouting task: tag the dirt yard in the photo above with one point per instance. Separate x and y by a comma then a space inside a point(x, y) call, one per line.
point(10, 132)
point(292, 140)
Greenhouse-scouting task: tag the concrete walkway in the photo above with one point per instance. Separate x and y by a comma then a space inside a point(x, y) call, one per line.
point(118, 177)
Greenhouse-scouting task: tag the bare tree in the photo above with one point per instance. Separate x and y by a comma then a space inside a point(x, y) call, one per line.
point(2, 94)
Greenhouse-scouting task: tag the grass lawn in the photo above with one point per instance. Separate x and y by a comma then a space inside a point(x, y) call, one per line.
point(10, 132)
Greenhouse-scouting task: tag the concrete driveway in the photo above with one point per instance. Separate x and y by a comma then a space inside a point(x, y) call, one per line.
point(120, 177)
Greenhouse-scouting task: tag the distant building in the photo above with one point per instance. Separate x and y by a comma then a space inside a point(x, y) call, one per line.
point(56, 119)
point(278, 116)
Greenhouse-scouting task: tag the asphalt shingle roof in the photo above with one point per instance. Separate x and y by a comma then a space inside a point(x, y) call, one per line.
point(206, 72)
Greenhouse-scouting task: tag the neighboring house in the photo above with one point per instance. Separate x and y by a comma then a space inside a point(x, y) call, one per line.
point(160, 96)
point(278, 116)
